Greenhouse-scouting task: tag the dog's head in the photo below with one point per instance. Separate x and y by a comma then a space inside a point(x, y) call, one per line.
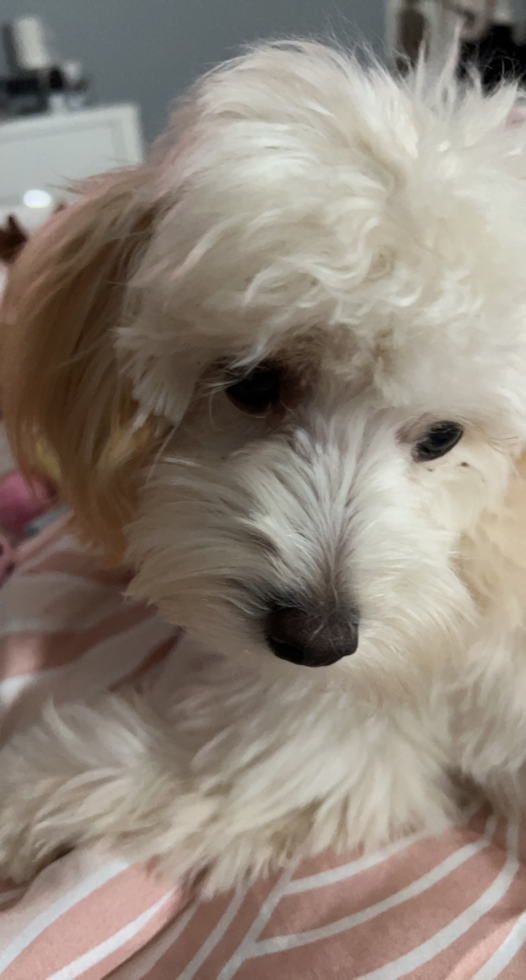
point(284, 363)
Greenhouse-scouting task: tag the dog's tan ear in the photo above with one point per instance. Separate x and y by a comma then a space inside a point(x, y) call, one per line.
point(59, 379)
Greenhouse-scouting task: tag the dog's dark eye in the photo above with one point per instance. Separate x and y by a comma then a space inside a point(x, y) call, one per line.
point(258, 391)
point(438, 441)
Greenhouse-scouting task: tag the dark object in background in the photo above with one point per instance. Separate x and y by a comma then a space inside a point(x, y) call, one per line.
point(496, 56)
point(12, 240)
point(56, 91)
point(413, 33)
point(38, 79)
point(22, 96)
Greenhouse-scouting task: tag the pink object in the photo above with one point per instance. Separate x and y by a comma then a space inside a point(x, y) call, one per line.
point(21, 503)
point(7, 559)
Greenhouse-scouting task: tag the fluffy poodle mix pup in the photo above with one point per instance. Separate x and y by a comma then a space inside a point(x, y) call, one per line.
point(283, 369)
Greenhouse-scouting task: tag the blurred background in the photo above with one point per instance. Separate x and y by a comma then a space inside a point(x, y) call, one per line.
point(148, 51)
point(87, 85)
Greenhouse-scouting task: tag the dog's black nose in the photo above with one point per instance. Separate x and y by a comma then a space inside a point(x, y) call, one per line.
point(312, 639)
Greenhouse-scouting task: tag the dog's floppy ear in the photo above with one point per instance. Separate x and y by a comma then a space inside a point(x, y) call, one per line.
point(61, 388)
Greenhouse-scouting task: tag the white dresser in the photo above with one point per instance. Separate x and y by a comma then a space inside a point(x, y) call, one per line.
point(43, 153)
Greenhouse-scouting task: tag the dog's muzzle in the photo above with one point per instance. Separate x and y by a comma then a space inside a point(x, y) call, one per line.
point(313, 638)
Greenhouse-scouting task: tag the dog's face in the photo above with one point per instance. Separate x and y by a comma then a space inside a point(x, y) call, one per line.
point(297, 512)
point(324, 316)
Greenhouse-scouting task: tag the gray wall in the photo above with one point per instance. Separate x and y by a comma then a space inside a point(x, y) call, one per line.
point(148, 51)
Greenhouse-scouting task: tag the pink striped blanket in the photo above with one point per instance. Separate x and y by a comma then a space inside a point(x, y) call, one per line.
point(453, 907)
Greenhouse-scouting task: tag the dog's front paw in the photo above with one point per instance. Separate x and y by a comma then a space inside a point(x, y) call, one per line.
point(84, 775)
point(32, 832)
point(22, 853)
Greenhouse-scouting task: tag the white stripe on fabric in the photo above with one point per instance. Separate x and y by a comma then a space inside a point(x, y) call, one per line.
point(104, 949)
point(59, 907)
point(214, 936)
point(503, 956)
point(61, 544)
point(463, 922)
point(146, 959)
point(42, 604)
point(441, 871)
point(100, 666)
point(243, 951)
point(345, 871)
point(117, 656)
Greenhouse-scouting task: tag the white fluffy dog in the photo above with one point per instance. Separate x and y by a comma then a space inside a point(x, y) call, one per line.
point(282, 367)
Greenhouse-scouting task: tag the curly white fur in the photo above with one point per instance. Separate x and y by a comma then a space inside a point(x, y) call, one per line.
point(368, 234)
